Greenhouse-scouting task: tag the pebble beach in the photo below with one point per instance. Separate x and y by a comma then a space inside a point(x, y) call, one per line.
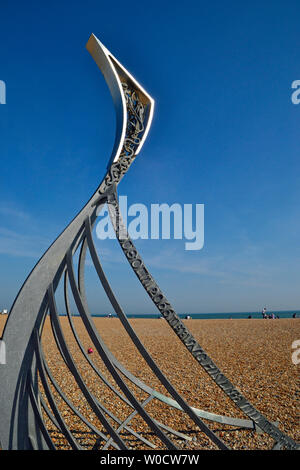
point(254, 354)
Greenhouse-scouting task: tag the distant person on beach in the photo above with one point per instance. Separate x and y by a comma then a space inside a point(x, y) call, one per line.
point(264, 312)
point(294, 315)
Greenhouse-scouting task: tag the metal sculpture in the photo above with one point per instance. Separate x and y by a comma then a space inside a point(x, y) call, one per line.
point(27, 384)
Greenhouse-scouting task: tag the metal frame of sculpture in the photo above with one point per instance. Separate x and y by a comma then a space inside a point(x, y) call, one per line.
point(26, 378)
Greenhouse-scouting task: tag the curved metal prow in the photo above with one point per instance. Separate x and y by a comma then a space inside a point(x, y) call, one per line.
point(121, 84)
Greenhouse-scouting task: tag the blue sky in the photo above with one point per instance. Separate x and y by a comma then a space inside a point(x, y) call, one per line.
point(225, 134)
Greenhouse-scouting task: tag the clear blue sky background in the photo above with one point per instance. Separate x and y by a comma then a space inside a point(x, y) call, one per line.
point(225, 134)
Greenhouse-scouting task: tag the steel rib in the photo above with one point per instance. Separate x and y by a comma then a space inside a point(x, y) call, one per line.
point(94, 336)
point(70, 363)
point(182, 403)
point(126, 373)
point(67, 433)
point(101, 376)
point(73, 408)
point(237, 422)
point(128, 419)
point(38, 414)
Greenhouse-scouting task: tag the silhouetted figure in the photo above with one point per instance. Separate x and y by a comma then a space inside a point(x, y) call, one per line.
point(264, 313)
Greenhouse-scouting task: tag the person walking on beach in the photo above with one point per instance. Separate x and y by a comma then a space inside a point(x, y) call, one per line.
point(264, 312)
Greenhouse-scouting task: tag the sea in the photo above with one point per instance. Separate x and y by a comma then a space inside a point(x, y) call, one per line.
point(218, 316)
